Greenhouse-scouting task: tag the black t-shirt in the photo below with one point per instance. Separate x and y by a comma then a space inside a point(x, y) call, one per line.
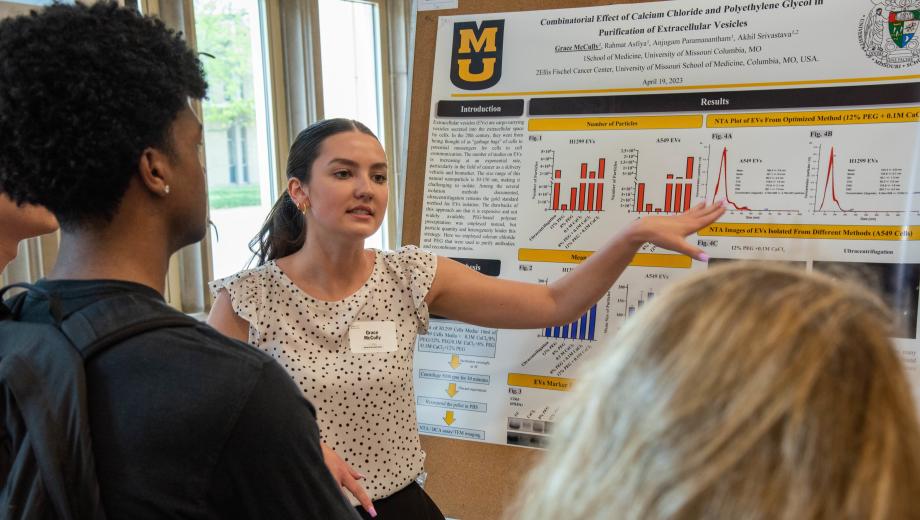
point(187, 423)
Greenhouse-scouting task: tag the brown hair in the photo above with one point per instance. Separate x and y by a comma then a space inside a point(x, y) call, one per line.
point(285, 228)
point(750, 392)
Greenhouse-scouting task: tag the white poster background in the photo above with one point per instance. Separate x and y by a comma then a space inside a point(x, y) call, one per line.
point(855, 175)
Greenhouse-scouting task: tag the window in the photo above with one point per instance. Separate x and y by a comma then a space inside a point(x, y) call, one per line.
point(263, 63)
point(245, 139)
point(351, 65)
point(22, 7)
point(238, 146)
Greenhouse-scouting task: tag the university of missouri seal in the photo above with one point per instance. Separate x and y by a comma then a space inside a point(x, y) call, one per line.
point(888, 33)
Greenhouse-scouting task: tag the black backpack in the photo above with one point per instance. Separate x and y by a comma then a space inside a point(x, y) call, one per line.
point(47, 467)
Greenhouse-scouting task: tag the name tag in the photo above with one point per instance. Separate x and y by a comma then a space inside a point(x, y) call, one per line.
point(367, 337)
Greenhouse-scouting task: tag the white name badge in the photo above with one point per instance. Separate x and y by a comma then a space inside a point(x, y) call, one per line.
point(367, 337)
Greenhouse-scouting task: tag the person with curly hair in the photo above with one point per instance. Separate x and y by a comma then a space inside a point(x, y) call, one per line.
point(96, 126)
point(752, 391)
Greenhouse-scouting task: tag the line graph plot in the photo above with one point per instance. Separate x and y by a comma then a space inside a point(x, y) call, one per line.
point(862, 179)
point(830, 181)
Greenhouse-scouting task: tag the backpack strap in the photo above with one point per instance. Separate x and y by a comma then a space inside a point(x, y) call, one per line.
point(109, 321)
point(48, 396)
point(68, 470)
point(13, 308)
point(103, 323)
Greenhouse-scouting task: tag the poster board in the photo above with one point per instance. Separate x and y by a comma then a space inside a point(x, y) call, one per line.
point(807, 131)
point(469, 481)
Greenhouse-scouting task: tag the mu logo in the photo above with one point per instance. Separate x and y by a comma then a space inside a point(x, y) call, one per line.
point(476, 55)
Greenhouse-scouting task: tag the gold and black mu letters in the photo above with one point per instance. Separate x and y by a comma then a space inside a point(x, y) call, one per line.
point(476, 55)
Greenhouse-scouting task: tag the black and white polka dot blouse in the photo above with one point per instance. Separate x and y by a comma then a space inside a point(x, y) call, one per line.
point(365, 402)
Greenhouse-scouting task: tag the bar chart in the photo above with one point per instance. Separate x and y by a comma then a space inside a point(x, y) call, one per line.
point(583, 328)
point(678, 193)
point(629, 298)
point(588, 195)
point(643, 298)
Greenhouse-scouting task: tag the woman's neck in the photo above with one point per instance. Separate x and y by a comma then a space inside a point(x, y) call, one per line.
point(329, 270)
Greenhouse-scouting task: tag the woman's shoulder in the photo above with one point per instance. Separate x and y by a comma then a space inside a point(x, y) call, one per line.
point(409, 257)
point(405, 253)
point(244, 281)
point(413, 269)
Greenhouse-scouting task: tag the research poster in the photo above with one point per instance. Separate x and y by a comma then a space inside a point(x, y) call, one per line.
point(551, 130)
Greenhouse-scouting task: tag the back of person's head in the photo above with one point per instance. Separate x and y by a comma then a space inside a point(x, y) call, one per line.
point(750, 392)
point(84, 92)
point(285, 230)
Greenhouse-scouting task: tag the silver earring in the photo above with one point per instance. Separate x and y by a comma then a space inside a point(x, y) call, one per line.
point(166, 189)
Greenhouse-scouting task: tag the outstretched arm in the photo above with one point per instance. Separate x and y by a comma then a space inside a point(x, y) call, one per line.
point(463, 294)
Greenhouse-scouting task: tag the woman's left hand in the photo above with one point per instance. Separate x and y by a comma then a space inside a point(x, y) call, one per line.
point(348, 478)
point(670, 232)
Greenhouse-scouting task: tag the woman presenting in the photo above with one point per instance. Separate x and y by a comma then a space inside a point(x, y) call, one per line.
point(317, 293)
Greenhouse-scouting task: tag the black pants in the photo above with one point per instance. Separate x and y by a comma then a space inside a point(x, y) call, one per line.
point(409, 503)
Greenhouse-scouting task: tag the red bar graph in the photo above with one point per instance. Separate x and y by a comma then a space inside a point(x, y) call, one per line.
point(677, 193)
point(588, 195)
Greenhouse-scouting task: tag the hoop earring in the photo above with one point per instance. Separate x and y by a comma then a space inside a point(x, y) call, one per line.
point(303, 208)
